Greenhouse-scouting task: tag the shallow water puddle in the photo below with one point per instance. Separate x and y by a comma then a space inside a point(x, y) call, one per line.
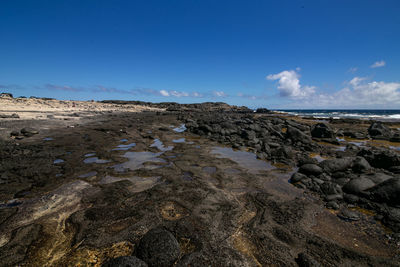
point(123, 140)
point(124, 147)
point(244, 159)
point(58, 161)
point(90, 155)
point(180, 129)
point(96, 160)
point(182, 140)
point(139, 183)
point(48, 139)
point(137, 159)
point(160, 146)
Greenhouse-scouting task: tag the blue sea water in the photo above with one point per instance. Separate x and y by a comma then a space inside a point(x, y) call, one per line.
point(376, 114)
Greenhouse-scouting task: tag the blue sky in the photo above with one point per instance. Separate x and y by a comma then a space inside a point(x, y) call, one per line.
point(274, 54)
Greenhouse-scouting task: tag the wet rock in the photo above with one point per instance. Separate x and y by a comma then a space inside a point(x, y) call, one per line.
point(263, 110)
point(377, 178)
point(297, 136)
point(392, 218)
point(387, 192)
point(15, 250)
point(322, 130)
point(395, 137)
point(360, 164)
point(297, 177)
point(332, 205)
point(377, 130)
point(350, 198)
point(310, 169)
point(14, 133)
point(125, 261)
point(29, 131)
point(381, 157)
point(358, 185)
point(305, 260)
point(158, 247)
point(349, 215)
point(336, 165)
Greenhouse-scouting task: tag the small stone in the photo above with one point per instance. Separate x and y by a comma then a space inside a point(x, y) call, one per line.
point(158, 247)
point(349, 215)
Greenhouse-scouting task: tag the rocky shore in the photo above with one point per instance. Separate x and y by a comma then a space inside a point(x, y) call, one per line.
point(141, 184)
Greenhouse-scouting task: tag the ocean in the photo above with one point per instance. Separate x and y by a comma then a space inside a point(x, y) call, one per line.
point(373, 114)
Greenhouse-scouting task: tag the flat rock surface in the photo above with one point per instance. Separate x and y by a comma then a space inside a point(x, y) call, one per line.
point(55, 215)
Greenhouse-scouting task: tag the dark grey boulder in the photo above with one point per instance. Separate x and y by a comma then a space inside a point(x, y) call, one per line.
point(29, 131)
point(395, 137)
point(296, 135)
point(125, 261)
point(377, 178)
point(387, 192)
point(158, 247)
point(381, 157)
point(297, 177)
point(310, 169)
point(336, 165)
point(349, 215)
point(360, 164)
point(378, 130)
point(322, 130)
point(358, 185)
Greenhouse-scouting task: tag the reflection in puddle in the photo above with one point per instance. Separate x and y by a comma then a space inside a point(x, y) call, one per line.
point(96, 160)
point(182, 140)
point(139, 183)
point(340, 148)
point(158, 144)
point(89, 155)
point(48, 139)
point(123, 140)
point(395, 148)
point(89, 174)
point(246, 160)
point(180, 129)
point(209, 169)
point(124, 147)
point(11, 203)
point(137, 160)
point(57, 161)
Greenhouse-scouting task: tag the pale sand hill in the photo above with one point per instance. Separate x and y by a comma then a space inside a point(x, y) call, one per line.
point(28, 108)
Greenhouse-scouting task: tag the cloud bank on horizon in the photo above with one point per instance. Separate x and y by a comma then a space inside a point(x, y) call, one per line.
point(359, 92)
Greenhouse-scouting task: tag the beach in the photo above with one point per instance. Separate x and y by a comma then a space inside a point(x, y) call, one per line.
point(85, 182)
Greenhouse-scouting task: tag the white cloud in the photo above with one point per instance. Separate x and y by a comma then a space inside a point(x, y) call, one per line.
point(164, 93)
point(196, 94)
point(219, 94)
point(289, 84)
point(178, 94)
point(358, 93)
point(378, 64)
